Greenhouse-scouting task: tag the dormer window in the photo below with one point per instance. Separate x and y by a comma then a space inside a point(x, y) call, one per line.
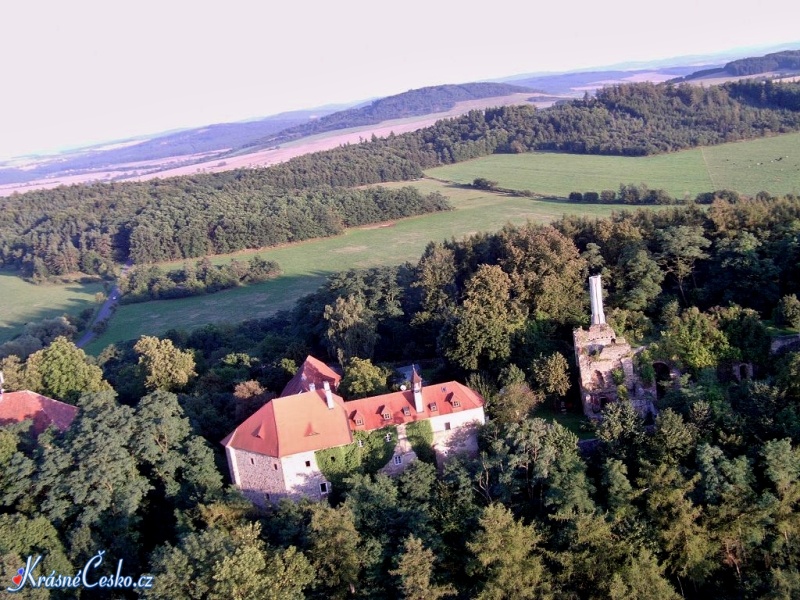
point(434, 408)
point(387, 416)
point(456, 403)
point(406, 411)
point(359, 421)
point(398, 460)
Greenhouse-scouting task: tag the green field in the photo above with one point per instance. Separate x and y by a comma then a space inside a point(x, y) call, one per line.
point(307, 264)
point(748, 167)
point(24, 302)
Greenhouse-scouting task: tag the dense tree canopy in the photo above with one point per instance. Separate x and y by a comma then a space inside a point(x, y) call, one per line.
point(88, 228)
point(701, 503)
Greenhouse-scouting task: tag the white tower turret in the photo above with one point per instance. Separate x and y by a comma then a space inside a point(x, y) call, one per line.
point(596, 297)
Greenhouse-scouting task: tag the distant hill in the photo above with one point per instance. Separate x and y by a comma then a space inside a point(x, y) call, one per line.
point(185, 143)
point(413, 103)
point(787, 60)
point(565, 83)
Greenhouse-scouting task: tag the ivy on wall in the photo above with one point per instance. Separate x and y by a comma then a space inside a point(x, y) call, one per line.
point(420, 436)
point(368, 456)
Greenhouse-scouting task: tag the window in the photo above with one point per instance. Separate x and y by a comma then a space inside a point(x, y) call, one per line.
point(456, 403)
point(434, 408)
point(388, 437)
point(387, 416)
point(360, 443)
point(323, 487)
point(308, 463)
point(359, 421)
point(252, 460)
point(447, 426)
point(398, 460)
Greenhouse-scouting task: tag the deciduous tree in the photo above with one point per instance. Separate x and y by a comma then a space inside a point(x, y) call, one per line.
point(63, 371)
point(164, 366)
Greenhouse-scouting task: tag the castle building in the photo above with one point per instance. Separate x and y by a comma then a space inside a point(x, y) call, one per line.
point(273, 453)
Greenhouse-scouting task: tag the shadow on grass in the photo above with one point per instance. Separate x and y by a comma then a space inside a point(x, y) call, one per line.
point(25, 302)
point(230, 306)
point(573, 420)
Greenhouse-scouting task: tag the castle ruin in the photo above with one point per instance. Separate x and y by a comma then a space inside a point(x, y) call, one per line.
point(605, 363)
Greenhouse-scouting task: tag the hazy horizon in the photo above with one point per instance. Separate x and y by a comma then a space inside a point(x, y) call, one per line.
point(94, 73)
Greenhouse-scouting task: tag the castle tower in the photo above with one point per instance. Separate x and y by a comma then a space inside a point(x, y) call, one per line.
point(596, 297)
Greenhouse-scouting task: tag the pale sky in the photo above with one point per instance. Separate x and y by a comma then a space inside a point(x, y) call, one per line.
point(83, 71)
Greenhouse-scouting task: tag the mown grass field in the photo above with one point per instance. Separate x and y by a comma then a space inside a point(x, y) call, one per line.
point(770, 164)
point(22, 302)
point(306, 265)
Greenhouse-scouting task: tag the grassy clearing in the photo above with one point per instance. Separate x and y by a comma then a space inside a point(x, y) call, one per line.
point(576, 422)
point(24, 302)
point(307, 264)
point(748, 167)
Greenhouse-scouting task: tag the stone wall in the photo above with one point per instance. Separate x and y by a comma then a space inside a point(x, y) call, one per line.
point(402, 455)
point(258, 475)
point(785, 342)
point(599, 352)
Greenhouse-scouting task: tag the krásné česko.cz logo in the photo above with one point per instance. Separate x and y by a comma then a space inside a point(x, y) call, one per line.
point(87, 577)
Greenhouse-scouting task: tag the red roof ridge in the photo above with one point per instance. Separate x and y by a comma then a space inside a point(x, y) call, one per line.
point(23, 405)
point(437, 400)
point(292, 424)
point(312, 371)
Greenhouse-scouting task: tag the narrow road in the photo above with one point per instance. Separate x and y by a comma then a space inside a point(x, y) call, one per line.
point(106, 310)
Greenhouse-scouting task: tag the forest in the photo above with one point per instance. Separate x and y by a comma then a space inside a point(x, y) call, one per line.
point(700, 502)
point(787, 60)
point(52, 232)
point(145, 283)
point(89, 228)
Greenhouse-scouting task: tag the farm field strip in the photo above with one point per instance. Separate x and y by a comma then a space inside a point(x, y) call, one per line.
point(306, 265)
point(771, 164)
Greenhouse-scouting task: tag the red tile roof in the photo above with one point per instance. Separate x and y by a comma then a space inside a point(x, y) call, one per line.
point(311, 371)
point(438, 399)
point(291, 424)
point(16, 407)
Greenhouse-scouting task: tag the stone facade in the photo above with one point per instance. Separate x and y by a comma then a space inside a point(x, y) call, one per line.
point(260, 477)
point(603, 359)
point(605, 364)
point(402, 456)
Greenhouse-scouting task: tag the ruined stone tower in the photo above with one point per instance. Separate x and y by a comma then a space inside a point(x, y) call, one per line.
point(605, 362)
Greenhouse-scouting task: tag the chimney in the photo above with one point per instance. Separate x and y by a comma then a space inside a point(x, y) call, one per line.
point(596, 298)
point(328, 395)
point(416, 386)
